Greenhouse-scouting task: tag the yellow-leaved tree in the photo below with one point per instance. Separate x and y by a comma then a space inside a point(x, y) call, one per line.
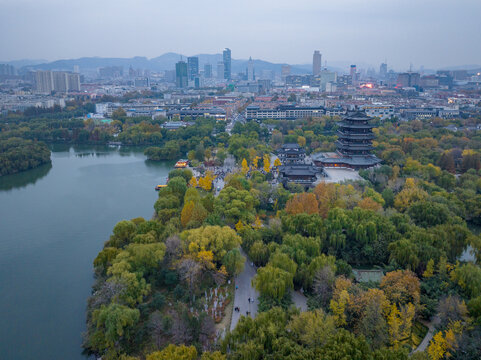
point(257, 223)
point(207, 181)
point(409, 195)
point(338, 307)
point(255, 162)
point(186, 213)
point(239, 226)
point(394, 325)
point(245, 167)
point(267, 163)
point(301, 140)
point(429, 272)
point(172, 352)
point(438, 347)
point(193, 182)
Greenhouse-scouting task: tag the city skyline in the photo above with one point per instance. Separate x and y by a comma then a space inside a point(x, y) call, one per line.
point(403, 33)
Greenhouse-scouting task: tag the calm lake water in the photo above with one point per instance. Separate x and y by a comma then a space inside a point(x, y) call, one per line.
point(53, 222)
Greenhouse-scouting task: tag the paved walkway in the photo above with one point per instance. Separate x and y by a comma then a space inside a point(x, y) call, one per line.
point(244, 291)
point(429, 335)
point(339, 175)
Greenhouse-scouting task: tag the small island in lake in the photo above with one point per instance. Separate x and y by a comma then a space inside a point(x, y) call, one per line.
point(18, 155)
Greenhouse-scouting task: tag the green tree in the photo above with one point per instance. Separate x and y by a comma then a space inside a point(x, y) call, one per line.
point(235, 205)
point(123, 234)
point(234, 262)
point(119, 114)
point(428, 213)
point(273, 282)
point(113, 323)
point(312, 329)
point(468, 277)
point(178, 186)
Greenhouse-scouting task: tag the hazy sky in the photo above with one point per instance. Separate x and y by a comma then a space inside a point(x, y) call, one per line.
point(422, 32)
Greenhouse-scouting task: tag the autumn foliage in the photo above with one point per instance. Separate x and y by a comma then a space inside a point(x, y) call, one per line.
point(302, 203)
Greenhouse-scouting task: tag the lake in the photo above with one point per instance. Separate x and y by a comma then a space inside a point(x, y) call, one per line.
point(53, 221)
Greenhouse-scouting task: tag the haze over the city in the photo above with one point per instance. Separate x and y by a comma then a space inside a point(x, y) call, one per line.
point(429, 33)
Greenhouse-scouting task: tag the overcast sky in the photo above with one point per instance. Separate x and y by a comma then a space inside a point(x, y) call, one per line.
point(422, 32)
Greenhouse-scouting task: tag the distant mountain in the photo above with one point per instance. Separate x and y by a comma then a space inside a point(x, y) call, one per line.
point(90, 63)
point(164, 62)
point(462, 67)
point(24, 62)
point(167, 62)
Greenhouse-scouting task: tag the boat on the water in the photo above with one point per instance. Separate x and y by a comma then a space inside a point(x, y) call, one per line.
point(160, 186)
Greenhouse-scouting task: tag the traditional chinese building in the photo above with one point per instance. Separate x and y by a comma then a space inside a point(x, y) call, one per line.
point(291, 154)
point(303, 174)
point(354, 144)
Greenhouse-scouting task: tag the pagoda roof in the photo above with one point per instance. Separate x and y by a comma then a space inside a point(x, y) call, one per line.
point(355, 126)
point(298, 170)
point(353, 146)
point(357, 116)
point(355, 135)
point(291, 146)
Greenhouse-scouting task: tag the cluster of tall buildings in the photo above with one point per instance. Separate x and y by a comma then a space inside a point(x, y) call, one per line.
point(59, 81)
point(7, 70)
point(189, 71)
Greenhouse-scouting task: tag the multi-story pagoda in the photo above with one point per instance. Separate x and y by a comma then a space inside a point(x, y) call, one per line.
point(354, 144)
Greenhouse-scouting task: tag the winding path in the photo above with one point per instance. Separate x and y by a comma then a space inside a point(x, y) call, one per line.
point(429, 335)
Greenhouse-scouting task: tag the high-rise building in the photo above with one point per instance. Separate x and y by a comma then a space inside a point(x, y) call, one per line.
point(250, 70)
point(208, 71)
point(132, 72)
point(316, 63)
point(267, 74)
point(73, 82)
point(326, 77)
point(181, 79)
point(408, 79)
point(6, 69)
point(226, 56)
point(111, 71)
point(285, 71)
point(193, 67)
point(60, 81)
point(142, 82)
point(353, 74)
point(43, 81)
point(383, 71)
point(220, 70)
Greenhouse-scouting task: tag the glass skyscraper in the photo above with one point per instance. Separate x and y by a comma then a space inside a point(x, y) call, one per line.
point(227, 64)
point(181, 74)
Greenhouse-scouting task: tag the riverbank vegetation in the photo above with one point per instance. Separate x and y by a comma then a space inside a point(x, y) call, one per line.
point(162, 285)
